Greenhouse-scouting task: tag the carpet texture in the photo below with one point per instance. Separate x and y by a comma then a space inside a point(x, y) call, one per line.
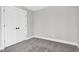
point(40, 45)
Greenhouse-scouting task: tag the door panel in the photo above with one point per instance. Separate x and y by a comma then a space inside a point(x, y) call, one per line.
point(14, 17)
point(10, 24)
point(21, 25)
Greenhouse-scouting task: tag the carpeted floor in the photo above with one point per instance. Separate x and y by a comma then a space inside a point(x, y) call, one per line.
point(40, 45)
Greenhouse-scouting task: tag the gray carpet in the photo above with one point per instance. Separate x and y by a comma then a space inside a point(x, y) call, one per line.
point(40, 45)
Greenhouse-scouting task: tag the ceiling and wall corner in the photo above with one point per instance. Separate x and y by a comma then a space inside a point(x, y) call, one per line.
point(35, 8)
point(32, 8)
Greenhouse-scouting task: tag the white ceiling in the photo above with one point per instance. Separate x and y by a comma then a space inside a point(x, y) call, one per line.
point(35, 8)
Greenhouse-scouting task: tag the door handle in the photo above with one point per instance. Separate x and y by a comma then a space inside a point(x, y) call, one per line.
point(17, 28)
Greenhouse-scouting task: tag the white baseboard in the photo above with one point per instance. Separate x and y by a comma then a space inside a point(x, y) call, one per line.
point(56, 40)
point(30, 37)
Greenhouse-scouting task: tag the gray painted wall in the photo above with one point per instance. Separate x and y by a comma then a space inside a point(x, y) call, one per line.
point(77, 22)
point(56, 23)
point(0, 26)
point(30, 23)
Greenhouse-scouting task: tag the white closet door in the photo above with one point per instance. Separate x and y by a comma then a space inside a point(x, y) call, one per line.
point(21, 25)
point(15, 25)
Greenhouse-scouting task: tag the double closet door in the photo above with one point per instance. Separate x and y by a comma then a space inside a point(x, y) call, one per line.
point(15, 21)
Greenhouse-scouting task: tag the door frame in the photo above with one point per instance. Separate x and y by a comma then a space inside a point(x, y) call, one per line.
point(2, 27)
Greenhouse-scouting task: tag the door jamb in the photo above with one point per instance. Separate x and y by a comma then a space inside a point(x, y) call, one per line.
point(2, 28)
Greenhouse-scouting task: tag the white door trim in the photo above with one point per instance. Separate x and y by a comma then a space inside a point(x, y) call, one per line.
point(2, 28)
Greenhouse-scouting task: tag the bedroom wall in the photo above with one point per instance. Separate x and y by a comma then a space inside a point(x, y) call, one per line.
point(77, 22)
point(56, 23)
point(30, 24)
point(0, 26)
